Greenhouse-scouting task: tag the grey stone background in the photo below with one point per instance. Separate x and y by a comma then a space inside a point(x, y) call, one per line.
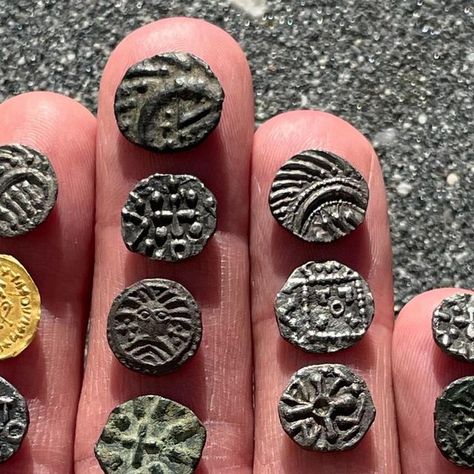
point(401, 71)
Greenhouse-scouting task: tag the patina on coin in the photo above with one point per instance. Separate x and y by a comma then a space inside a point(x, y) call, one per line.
point(169, 102)
point(154, 326)
point(324, 307)
point(318, 196)
point(326, 407)
point(454, 422)
point(169, 217)
point(14, 420)
point(28, 189)
point(20, 307)
point(151, 434)
point(453, 326)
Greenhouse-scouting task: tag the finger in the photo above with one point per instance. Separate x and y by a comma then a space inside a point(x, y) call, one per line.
point(275, 253)
point(216, 383)
point(58, 255)
point(420, 373)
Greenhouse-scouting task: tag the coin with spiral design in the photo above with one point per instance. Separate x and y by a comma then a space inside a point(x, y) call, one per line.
point(169, 102)
point(154, 326)
point(318, 196)
point(28, 189)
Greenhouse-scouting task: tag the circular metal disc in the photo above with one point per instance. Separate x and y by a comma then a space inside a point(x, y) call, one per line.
point(154, 326)
point(318, 196)
point(14, 420)
point(454, 422)
point(28, 189)
point(324, 307)
point(168, 102)
point(453, 326)
point(326, 407)
point(169, 217)
point(151, 434)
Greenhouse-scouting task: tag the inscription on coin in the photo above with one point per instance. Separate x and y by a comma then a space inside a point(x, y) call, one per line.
point(168, 102)
point(324, 307)
point(453, 326)
point(151, 434)
point(454, 422)
point(318, 196)
point(14, 420)
point(326, 407)
point(154, 326)
point(20, 307)
point(169, 217)
point(28, 189)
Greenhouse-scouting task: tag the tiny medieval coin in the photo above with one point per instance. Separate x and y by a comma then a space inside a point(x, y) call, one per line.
point(169, 102)
point(151, 434)
point(326, 407)
point(453, 326)
point(318, 196)
point(28, 189)
point(14, 420)
point(324, 307)
point(454, 422)
point(169, 217)
point(154, 326)
point(20, 307)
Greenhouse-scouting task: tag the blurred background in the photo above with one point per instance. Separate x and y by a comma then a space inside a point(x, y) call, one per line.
point(401, 71)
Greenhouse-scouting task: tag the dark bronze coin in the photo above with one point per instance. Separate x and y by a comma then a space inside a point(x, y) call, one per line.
point(154, 326)
point(324, 307)
point(151, 434)
point(454, 422)
point(14, 420)
point(28, 189)
point(168, 102)
point(326, 407)
point(453, 326)
point(318, 196)
point(169, 217)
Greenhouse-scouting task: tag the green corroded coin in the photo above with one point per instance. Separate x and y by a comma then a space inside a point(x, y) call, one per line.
point(151, 434)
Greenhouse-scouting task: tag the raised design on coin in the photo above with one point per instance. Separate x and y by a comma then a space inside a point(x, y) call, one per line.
point(453, 326)
point(169, 217)
point(324, 307)
point(28, 189)
point(14, 420)
point(454, 422)
point(169, 102)
point(20, 307)
point(151, 434)
point(154, 326)
point(318, 196)
point(326, 407)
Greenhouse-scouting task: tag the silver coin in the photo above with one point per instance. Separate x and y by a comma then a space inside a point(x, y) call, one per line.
point(318, 196)
point(28, 189)
point(324, 307)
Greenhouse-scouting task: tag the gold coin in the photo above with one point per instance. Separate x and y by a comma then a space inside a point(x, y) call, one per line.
point(20, 307)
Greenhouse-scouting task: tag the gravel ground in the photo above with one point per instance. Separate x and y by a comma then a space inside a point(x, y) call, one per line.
point(401, 71)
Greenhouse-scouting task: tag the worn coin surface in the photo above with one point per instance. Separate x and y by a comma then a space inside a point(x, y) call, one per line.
point(326, 407)
point(14, 420)
point(151, 434)
point(324, 307)
point(169, 102)
point(169, 217)
point(154, 326)
point(28, 189)
point(453, 326)
point(20, 307)
point(454, 422)
point(318, 196)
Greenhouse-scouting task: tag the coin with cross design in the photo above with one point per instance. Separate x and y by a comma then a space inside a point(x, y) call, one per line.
point(169, 217)
point(150, 434)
